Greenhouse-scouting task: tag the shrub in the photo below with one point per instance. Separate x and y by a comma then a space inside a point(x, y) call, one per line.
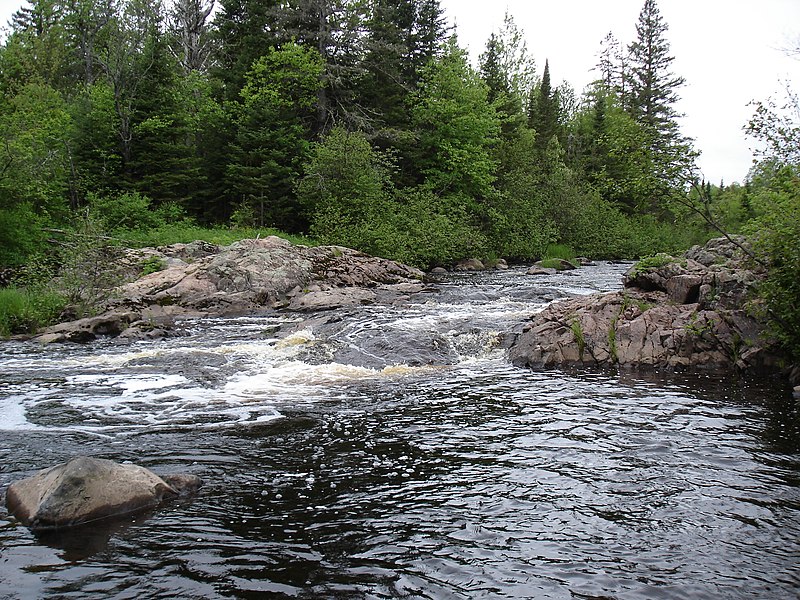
point(127, 211)
point(152, 265)
point(21, 235)
point(776, 236)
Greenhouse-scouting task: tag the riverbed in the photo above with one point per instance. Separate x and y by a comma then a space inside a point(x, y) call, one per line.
point(384, 452)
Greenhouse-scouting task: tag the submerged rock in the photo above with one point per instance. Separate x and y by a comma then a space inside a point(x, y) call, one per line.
point(86, 489)
point(674, 313)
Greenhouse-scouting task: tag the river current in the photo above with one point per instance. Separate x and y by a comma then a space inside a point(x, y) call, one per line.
point(393, 452)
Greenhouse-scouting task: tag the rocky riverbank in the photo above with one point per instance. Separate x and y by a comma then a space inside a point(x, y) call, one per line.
point(694, 312)
point(200, 279)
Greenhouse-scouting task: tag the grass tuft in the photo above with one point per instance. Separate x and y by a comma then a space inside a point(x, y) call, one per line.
point(25, 311)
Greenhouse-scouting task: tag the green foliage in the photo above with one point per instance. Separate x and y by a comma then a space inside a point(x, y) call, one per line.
point(560, 251)
point(26, 310)
point(154, 264)
point(346, 191)
point(21, 234)
point(122, 212)
point(185, 232)
point(543, 113)
point(651, 263)
point(577, 333)
point(519, 224)
point(434, 231)
point(88, 266)
point(34, 161)
point(107, 111)
point(776, 235)
point(350, 197)
point(273, 123)
point(456, 127)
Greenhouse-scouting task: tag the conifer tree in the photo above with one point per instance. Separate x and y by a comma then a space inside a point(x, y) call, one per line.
point(651, 98)
point(543, 113)
point(244, 31)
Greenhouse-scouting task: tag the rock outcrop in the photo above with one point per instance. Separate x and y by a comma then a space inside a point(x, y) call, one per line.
point(201, 279)
point(696, 312)
point(85, 489)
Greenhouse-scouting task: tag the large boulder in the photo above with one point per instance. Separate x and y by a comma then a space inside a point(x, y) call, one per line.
point(253, 274)
point(85, 489)
point(674, 313)
point(201, 279)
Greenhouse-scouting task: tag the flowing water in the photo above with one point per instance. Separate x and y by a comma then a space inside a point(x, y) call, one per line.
point(392, 452)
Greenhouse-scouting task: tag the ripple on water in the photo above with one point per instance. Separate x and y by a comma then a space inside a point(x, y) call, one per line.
point(460, 479)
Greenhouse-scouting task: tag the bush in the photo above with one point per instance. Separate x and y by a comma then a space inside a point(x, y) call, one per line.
point(21, 235)
point(25, 311)
point(776, 236)
point(128, 211)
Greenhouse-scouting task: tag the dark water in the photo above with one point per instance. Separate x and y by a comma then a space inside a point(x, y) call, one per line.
point(394, 453)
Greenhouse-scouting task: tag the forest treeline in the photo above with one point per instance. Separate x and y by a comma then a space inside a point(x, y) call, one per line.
point(363, 123)
point(359, 122)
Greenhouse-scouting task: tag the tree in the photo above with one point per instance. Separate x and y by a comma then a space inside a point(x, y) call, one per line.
point(428, 36)
point(87, 24)
point(243, 31)
point(273, 121)
point(651, 96)
point(37, 48)
point(335, 30)
point(509, 73)
point(347, 193)
point(544, 111)
point(776, 124)
point(191, 36)
point(774, 198)
point(456, 127)
point(388, 76)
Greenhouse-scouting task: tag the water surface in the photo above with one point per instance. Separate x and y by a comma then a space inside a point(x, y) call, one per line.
point(392, 452)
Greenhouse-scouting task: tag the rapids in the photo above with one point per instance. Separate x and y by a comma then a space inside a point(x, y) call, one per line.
point(392, 452)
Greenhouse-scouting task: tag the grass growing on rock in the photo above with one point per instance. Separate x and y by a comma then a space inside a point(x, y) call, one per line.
point(553, 263)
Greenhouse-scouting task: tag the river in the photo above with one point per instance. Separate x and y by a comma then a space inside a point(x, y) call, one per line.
point(393, 452)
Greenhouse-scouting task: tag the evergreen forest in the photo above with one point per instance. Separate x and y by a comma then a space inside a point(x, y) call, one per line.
point(363, 123)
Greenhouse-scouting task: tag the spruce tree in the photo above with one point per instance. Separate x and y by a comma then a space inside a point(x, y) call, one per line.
point(651, 97)
point(244, 31)
point(543, 113)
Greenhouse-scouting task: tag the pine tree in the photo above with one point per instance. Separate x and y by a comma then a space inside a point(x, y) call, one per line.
point(428, 37)
point(385, 82)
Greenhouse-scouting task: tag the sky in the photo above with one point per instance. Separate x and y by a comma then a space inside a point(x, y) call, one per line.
point(729, 51)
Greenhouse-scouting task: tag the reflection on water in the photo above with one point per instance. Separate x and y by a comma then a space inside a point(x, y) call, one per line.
point(394, 453)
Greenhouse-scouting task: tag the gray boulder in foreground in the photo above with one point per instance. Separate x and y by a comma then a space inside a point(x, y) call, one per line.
point(85, 489)
point(695, 312)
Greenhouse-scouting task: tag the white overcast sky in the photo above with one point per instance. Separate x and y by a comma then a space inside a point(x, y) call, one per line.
point(729, 51)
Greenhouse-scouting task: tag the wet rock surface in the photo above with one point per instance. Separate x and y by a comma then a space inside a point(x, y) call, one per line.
point(695, 312)
point(85, 489)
